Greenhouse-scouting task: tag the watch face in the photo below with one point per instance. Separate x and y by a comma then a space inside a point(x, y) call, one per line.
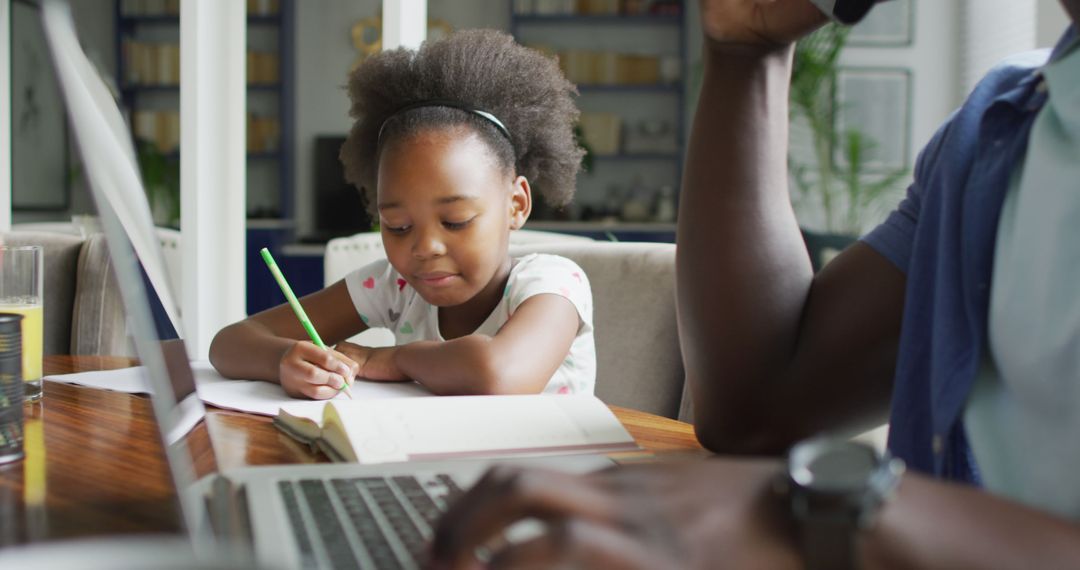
point(830, 466)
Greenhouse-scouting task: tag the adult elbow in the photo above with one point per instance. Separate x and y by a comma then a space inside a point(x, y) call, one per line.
point(736, 438)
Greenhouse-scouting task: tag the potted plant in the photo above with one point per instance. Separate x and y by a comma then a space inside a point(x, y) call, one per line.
point(161, 177)
point(830, 175)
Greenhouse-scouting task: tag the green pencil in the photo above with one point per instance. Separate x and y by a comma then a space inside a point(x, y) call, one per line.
point(296, 307)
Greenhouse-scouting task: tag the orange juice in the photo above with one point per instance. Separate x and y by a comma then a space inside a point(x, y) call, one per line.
point(32, 338)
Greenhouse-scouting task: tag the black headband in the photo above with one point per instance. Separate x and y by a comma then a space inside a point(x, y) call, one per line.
point(447, 103)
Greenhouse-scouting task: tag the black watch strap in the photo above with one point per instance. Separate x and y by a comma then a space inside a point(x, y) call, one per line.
point(845, 11)
point(828, 543)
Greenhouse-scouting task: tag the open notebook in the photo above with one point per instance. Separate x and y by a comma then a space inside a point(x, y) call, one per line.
point(456, 427)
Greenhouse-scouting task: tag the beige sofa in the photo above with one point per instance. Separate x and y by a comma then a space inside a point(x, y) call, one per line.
point(83, 310)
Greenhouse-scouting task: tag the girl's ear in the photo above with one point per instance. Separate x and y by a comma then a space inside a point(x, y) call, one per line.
point(520, 202)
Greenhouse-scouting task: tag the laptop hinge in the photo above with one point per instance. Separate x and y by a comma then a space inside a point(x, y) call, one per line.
point(226, 503)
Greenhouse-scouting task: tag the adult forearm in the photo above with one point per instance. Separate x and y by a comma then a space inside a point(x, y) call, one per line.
point(931, 524)
point(743, 271)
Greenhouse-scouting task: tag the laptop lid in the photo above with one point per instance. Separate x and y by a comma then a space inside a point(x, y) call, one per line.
point(104, 143)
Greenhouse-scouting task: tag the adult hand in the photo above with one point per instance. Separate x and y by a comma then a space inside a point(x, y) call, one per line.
point(309, 371)
point(702, 514)
point(765, 22)
point(376, 364)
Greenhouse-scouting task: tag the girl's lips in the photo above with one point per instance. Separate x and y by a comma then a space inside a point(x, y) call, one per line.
point(436, 279)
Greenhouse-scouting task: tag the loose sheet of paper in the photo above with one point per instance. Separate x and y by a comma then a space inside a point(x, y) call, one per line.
point(252, 396)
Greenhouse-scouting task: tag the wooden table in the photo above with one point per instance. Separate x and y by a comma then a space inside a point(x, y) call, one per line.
point(95, 465)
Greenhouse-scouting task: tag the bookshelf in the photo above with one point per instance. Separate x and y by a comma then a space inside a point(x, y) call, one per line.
point(628, 60)
point(148, 75)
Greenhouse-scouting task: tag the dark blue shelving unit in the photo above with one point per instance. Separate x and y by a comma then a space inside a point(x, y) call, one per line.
point(266, 232)
point(615, 23)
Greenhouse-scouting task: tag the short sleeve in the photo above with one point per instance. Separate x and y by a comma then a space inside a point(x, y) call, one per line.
point(895, 237)
point(551, 274)
point(376, 291)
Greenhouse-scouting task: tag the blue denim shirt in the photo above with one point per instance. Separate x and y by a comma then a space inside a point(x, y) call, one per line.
point(942, 237)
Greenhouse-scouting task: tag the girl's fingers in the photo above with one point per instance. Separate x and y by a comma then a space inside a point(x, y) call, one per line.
point(319, 392)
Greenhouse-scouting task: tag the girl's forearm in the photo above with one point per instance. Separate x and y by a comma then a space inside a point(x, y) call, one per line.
point(467, 365)
point(247, 350)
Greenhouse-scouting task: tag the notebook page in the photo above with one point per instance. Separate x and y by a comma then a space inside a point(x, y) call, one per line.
point(474, 426)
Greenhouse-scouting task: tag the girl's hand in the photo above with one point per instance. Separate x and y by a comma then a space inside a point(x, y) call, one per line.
point(309, 371)
point(376, 364)
point(761, 22)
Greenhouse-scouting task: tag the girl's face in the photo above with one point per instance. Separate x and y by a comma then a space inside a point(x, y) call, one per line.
point(446, 210)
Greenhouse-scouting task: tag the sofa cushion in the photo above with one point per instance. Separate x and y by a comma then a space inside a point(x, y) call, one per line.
point(98, 325)
point(638, 363)
point(61, 255)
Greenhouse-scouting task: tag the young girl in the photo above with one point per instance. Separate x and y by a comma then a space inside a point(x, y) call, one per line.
point(453, 138)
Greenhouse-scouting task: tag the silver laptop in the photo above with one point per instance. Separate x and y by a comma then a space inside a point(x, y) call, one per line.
point(295, 516)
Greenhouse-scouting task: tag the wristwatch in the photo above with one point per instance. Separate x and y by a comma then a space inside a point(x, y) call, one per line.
point(845, 11)
point(834, 488)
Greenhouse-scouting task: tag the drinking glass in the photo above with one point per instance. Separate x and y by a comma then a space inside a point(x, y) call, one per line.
point(21, 282)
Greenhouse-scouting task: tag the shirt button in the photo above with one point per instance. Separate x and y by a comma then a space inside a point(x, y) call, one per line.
point(938, 443)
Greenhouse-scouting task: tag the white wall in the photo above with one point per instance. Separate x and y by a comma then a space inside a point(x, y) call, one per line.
point(5, 116)
point(94, 22)
point(992, 30)
point(933, 58)
point(1050, 21)
point(324, 54)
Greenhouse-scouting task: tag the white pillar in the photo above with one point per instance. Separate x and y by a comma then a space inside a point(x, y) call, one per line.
point(5, 115)
point(212, 167)
point(404, 23)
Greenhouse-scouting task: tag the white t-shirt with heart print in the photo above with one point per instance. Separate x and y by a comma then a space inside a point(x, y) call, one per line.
point(384, 299)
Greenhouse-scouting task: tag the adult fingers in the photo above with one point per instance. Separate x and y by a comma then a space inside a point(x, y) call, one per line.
point(507, 494)
point(583, 544)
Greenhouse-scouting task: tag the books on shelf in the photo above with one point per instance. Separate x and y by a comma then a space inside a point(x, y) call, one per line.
point(159, 127)
point(263, 133)
point(262, 68)
point(162, 127)
point(158, 64)
point(601, 132)
point(153, 8)
point(600, 67)
point(456, 427)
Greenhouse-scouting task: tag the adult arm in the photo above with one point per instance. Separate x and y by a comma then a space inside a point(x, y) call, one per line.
point(699, 514)
point(773, 353)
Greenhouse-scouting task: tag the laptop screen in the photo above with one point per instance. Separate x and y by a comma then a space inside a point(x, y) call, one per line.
point(103, 140)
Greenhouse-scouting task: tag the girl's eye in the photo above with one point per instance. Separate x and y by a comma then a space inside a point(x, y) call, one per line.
point(457, 225)
point(397, 229)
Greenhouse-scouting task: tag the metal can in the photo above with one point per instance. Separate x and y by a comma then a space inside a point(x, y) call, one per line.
point(11, 388)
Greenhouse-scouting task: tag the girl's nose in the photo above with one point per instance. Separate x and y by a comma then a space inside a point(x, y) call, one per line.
point(428, 244)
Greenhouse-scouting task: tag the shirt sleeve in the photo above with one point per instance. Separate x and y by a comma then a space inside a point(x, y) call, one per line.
point(551, 274)
point(895, 237)
point(375, 290)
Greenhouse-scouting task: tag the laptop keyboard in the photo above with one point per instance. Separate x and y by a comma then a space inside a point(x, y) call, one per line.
point(365, 522)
